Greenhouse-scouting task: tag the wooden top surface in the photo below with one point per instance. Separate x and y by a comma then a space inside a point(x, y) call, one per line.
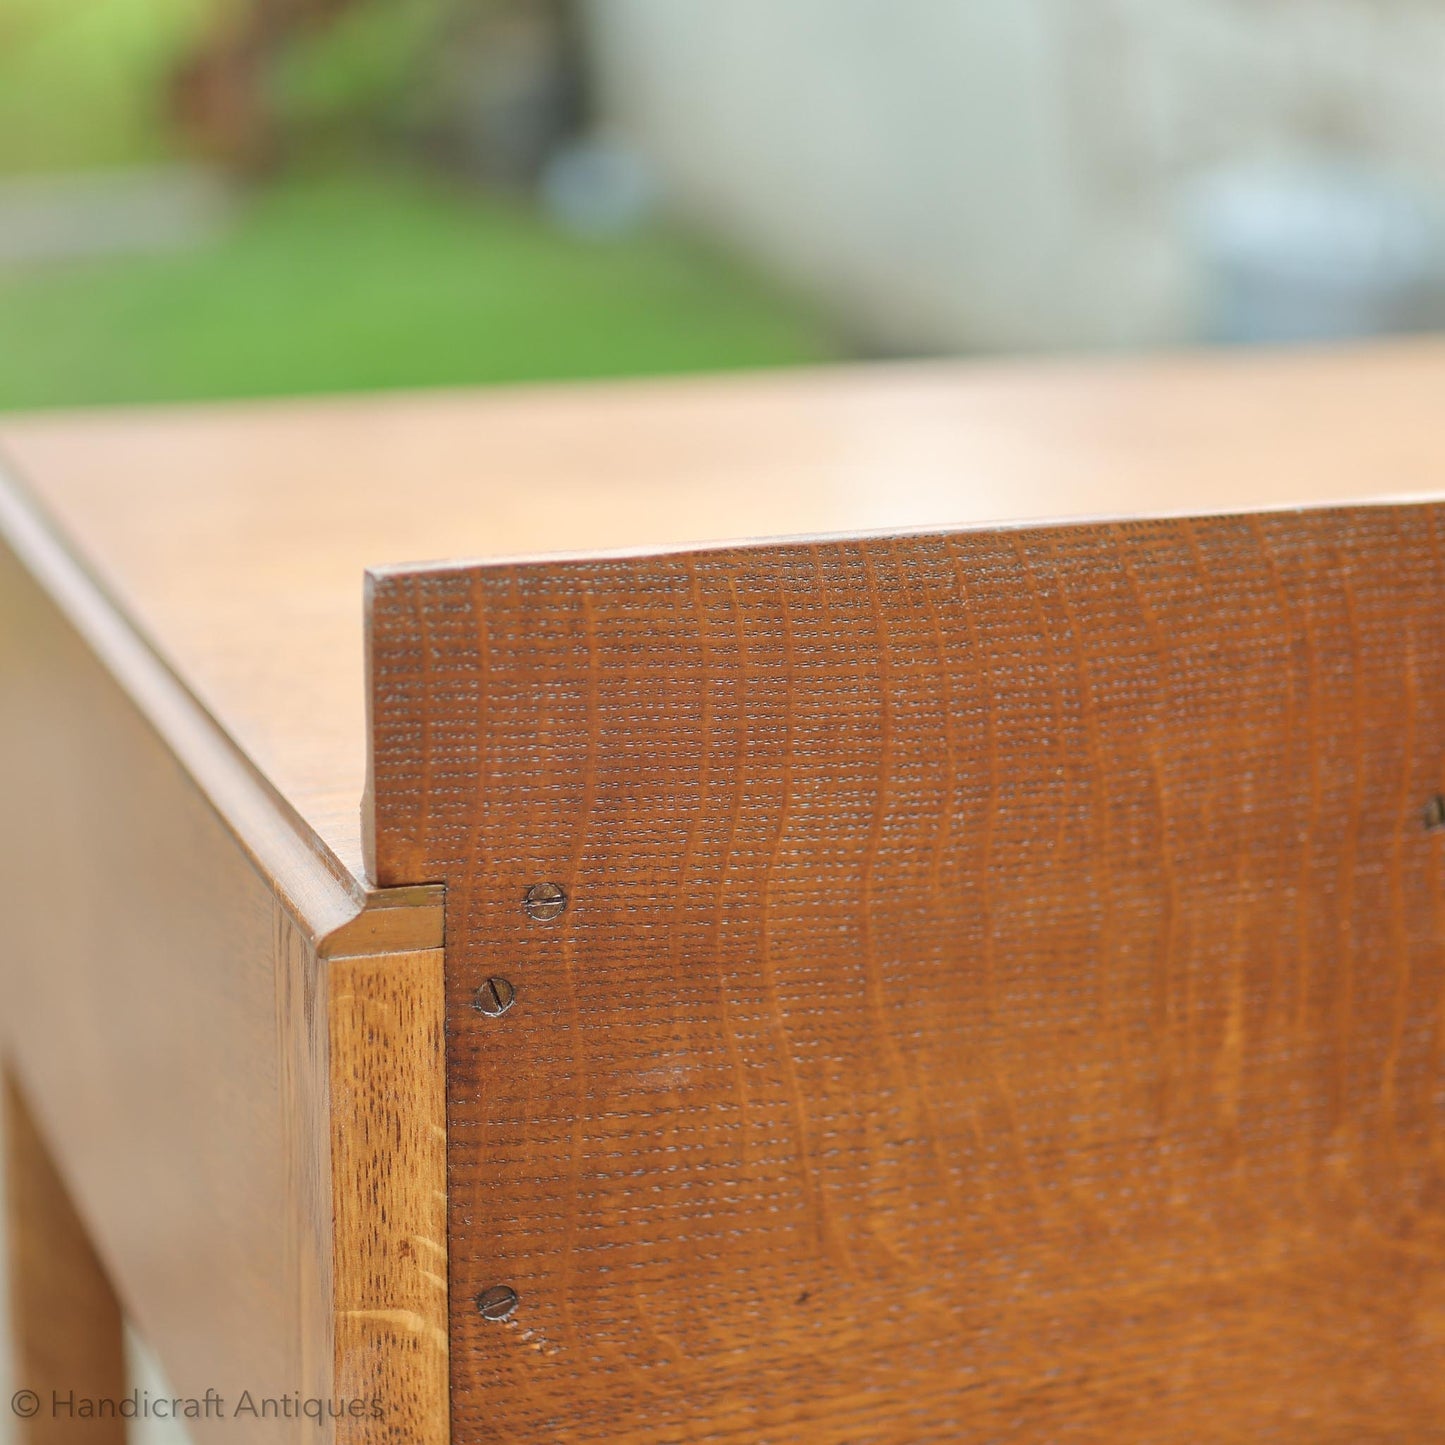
point(236, 535)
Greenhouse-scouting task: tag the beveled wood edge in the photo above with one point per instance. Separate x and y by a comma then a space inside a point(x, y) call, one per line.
point(366, 1128)
point(386, 1053)
point(390, 921)
point(338, 912)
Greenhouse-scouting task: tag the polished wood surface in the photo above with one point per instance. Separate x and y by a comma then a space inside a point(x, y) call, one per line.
point(1001, 989)
point(176, 953)
point(389, 1181)
point(69, 1340)
point(236, 535)
point(144, 964)
point(1001, 993)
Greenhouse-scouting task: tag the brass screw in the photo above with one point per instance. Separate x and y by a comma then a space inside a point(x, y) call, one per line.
point(494, 998)
point(497, 1303)
point(544, 902)
point(1435, 813)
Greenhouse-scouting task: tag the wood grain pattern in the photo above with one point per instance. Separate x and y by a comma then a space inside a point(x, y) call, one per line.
point(272, 510)
point(69, 1341)
point(172, 944)
point(388, 1162)
point(1001, 994)
point(160, 1014)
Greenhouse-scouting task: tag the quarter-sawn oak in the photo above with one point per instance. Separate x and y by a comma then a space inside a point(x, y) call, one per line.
point(1000, 994)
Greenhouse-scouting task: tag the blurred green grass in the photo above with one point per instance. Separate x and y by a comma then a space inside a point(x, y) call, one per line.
point(82, 82)
point(361, 281)
point(350, 279)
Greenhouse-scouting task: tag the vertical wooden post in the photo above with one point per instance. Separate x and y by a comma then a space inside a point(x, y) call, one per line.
point(69, 1344)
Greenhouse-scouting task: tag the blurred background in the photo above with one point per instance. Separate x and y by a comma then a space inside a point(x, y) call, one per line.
point(205, 198)
point(227, 198)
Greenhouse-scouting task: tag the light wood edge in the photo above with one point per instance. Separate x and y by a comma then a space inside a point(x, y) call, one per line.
point(337, 911)
point(378, 952)
point(385, 1017)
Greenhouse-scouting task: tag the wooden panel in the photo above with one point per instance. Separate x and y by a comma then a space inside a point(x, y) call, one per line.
point(69, 1345)
point(272, 510)
point(388, 1152)
point(1000, 995)
point(169, 948)
point(145, 966)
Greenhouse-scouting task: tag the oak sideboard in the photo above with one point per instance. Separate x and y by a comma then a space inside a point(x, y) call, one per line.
point(898, 904)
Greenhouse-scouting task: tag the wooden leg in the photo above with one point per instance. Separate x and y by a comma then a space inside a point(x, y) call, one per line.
point(69, 1346)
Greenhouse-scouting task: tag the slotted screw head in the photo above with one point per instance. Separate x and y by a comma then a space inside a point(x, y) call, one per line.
point(545, 901)
point(497, 1303)
point(494, 998)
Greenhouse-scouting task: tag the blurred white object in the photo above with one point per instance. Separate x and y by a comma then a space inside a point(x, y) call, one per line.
point(598, 187)
point(149, 1381)
point(1313, 251)
point(958, 175)
point(63, 217)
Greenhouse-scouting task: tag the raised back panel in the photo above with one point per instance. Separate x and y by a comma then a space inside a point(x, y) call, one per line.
point(1000, 994)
